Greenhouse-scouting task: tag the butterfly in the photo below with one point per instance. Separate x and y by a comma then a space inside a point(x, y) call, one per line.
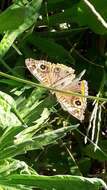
point(61, 77)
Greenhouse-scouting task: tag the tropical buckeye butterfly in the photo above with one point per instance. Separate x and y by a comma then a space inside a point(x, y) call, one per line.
point(61, 77)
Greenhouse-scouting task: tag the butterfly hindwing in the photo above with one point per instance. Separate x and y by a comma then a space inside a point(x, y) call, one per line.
point(75, 105)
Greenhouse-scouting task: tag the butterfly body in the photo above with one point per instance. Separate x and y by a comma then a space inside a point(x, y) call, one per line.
point(61, 77)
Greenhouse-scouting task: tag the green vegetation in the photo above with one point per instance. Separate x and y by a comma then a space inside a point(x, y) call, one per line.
point(41, 145)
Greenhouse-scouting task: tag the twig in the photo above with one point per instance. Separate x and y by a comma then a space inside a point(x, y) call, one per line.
point(99, 17)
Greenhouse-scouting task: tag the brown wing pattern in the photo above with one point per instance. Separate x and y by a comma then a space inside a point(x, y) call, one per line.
point(75, 105)
point(48, 73)
point(63, 78)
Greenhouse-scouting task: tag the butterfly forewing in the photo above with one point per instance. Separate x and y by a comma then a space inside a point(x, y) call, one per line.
point(49, 73)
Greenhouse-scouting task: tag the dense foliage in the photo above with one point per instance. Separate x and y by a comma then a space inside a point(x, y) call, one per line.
point(41, 145)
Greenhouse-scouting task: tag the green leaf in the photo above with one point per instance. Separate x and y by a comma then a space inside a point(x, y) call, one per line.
point(36, 111)
point(35, 104)
point(100, 153)
point(30, 18)
point(11, 19)
point(60, 182)
point(80, 13)
point(37, 142)
point(10, 166)
point(84, 15)
point(6, 115)
point(54, 50)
